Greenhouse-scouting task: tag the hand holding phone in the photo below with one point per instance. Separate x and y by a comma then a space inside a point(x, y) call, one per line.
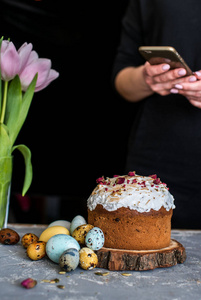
point(164, 54)
point(165, 69)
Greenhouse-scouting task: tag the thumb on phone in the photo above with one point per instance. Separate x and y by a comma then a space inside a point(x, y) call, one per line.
point(198, 74)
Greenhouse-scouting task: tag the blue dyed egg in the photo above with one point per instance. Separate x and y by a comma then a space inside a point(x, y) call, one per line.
point(95, 239)
point(57, 244)
point(69, 260)
point(77, 221)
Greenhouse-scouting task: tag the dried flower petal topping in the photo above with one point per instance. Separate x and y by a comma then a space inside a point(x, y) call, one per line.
point(141, 193)
point(100, 179)
point(120, 180)
point(157, 181)
point(28, 283)
point(131, 173)
point(154, 176)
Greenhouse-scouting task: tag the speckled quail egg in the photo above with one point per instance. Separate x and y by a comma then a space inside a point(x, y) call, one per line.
point(57, 244)
point(88, 259)
point(28, 239)
point(9, 236)
point(69, 260)
point(36, 250)
point(80, 233)
point(77, 221)
point(95, 239)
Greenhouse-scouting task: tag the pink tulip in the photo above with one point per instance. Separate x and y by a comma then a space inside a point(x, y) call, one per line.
point(10, 61)
point(25, 63)
point(42, 66)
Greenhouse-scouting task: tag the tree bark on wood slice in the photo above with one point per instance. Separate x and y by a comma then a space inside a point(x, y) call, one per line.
point(142, 260)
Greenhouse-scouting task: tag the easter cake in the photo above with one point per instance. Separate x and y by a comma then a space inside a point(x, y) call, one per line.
point(133, 211)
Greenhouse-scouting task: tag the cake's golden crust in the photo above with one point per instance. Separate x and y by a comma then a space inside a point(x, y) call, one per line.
point(128, 229)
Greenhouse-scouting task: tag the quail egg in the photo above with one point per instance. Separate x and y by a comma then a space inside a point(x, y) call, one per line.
point(80, 233)
point(69, 260)
point(36, 250)
point(28, 239)
point(88, 259)
point(9, 236)
point(95, 239)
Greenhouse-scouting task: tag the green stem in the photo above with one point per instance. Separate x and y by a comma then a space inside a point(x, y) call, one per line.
point(4, 102)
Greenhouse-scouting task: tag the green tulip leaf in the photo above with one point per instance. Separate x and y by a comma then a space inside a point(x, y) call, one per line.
point(24, 108)
point(28, 166)
point(14, 102)
point(5, 145)
point(0, 80)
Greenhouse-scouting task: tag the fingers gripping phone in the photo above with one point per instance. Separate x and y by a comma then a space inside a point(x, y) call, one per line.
point(164, 54)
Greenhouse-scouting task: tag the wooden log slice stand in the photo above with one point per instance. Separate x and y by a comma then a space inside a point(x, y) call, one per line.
point(141, 260)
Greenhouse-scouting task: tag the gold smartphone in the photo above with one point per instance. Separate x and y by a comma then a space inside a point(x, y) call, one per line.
point(164, 54)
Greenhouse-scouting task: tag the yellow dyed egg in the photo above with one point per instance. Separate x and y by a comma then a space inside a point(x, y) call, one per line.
point(51, 231)
point(88, 259)
point(79, 234)
point(36, 250)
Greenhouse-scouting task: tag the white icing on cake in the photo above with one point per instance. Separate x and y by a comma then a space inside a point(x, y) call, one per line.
point(141, 193)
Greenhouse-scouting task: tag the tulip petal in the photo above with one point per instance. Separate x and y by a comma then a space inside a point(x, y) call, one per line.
point(10, 62)
point(24, 53)
point(41, 66)
point(33, 57)
point(52, 76)
point(4, 45)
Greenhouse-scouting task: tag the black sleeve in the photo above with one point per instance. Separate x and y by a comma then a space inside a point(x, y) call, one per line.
point(131, 38)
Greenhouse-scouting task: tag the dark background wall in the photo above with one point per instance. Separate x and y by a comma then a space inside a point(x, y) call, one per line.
point(77, 128)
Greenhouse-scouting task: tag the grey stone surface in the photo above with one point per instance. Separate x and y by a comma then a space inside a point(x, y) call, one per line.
point(181, 282)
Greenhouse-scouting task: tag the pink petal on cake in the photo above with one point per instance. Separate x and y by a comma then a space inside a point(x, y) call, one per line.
point(100, 179)
point(131, 173)
point(120, 180)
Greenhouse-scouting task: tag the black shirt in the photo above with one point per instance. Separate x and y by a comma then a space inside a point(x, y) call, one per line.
point(166, 134)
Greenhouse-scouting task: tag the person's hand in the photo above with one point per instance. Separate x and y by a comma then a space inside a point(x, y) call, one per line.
point(191, 90)
point(164, 81)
